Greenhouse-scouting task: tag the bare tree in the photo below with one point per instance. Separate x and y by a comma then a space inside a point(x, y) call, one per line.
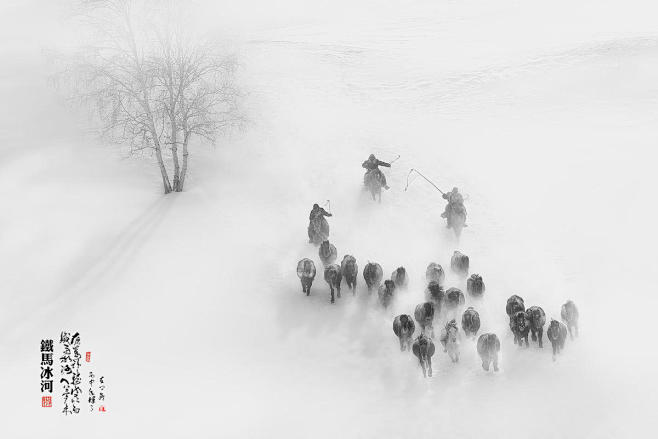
point(152, 86)
point(199, 96)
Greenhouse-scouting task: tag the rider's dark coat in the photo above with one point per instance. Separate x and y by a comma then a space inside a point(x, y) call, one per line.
point(317, 213)
point(371, 165)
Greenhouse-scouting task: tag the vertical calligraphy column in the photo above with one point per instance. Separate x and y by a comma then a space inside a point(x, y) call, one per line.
point(47, 350)
point(92, 395)
point(76, 391)
point(101, 394)
point(66, 370)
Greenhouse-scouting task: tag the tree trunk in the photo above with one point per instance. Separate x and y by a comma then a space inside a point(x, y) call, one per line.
point(163, 171)
point(174, 154)
point(183, 172)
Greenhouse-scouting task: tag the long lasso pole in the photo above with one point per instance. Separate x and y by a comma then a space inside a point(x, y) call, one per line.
point(426, 179)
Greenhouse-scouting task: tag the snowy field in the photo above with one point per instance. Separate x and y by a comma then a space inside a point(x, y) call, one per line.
point(544, 113)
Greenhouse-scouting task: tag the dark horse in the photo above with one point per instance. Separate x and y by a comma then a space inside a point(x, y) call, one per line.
point(435, 273)
point(350, 272)
point(471, 322)
point(424, 315)
point(333, 277)
point(514, 304)
point(488, 348)
point(436, 294)
point(454, 298)
point(306, 274)
point(386, 292)
point(475, 285)
point(557, 334)
point(537, 318)
point(373, 275)
point(520, 327)
point(569, 314)
point(423, 348)
point(399, 277)
point(459, 263)
point(403, 327)
point(328, 253)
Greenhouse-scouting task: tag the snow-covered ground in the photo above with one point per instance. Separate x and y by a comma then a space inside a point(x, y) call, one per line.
point(544, 114)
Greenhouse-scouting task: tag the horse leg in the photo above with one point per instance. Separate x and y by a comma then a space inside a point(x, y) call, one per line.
point(555, 348)
point(332, 293)
point(495, 362)
point(541, 336)
point(534, 334)
point(527, 344)
point(401, 344)
point(338, 289)
point(429, 366)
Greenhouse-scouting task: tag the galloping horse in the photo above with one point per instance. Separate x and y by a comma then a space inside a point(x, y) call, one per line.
point(423, 349)
point(557, 334)
point(373, 274)
point(449, 340)
point(399, 277)
point(537, 318)
point(403, 327)
point(306, 274)
point(350, 271)
point(424, 315)
point(475, 285)
point(327, 253)
point(488, 348)
point(333, 277)
point(569, 314)
point(471, 322)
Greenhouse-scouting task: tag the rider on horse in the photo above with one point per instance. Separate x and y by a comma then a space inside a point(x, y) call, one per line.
point(455, 204)
point(317, 221)
point(372, 165)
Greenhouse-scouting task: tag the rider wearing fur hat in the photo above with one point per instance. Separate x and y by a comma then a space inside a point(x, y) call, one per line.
point(372, 165)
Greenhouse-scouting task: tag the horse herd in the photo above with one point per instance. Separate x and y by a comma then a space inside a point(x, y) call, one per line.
point(441, 305)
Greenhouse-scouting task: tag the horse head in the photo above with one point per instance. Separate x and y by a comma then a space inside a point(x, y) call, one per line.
point(520, 320)
point(554, 327)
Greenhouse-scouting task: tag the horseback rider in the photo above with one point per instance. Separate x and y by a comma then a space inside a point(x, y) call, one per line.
point(455, 203)
point(318, 229)
point(372, 165)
